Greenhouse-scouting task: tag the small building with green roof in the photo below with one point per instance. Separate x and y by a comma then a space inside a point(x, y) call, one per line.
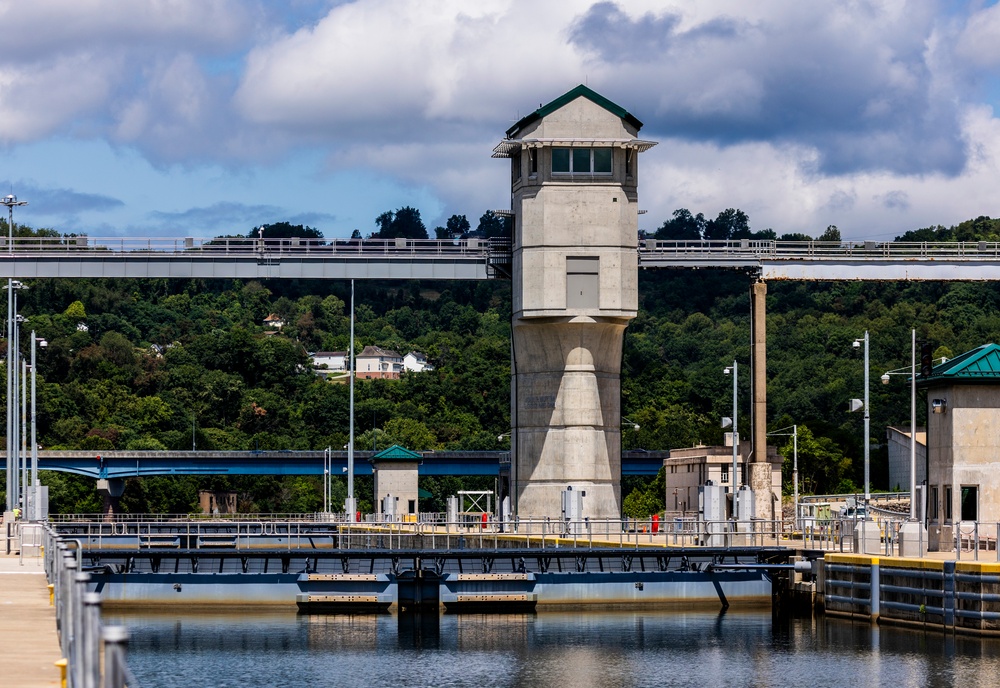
point(963, 444)
point(397, 495)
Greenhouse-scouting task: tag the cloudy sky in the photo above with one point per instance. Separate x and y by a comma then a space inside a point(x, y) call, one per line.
point(204, 117)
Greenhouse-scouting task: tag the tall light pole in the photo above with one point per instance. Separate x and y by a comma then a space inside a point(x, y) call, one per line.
point(855, 405)
point(36, 514)
point(913, 419)
point(736, 435)
point(350, 505)
point(10, 201)
point(13, 394)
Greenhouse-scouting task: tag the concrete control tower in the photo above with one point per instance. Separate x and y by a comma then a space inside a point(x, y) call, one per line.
point(574, 174)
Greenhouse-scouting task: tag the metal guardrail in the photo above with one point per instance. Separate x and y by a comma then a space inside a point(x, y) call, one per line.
point(859, 498)
point(242, 246)
point(648, 248)
point(174, 518)
point(78, 621)
point(821, 250)
point(470, 531)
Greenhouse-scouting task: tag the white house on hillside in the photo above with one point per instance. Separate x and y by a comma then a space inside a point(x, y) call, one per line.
point(329, 361)
point(416, 362)
point(376, 362)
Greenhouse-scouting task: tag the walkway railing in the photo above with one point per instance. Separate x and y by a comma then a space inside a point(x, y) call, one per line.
point(78, 621)
point(649, 249)
point(821, 250)
point(242, 246)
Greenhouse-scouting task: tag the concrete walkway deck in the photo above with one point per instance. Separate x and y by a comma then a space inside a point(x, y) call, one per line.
point(27, 625)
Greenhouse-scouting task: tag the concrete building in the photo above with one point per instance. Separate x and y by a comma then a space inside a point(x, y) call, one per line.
point(899, 457)
point(688, 469)
point(963, 443)
point(376, 362)
point(216, 502)
point(574, 204)
point(397, 494)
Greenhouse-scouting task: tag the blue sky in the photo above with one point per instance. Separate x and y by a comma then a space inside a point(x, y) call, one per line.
point(206, 117)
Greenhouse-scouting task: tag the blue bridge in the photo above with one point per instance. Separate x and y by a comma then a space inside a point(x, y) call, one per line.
point(131, 464)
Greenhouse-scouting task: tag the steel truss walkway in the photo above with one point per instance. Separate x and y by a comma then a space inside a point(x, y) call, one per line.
point(472, 259)
point(831, 260)
point(241, 258)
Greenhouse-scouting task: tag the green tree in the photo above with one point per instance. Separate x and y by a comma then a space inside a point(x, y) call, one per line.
point(683, 226)
point(730, 224)
point(405, 223)
point(492, 226)
point(76, 311)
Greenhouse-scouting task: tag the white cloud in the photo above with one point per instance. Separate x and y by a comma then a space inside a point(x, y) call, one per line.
point(978, 43)
point(773, 185)
point(386, 64)
point(856, 113)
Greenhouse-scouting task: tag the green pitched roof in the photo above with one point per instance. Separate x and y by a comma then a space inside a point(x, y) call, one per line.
point(568, 97)
point(982, 364)
point(396, 453)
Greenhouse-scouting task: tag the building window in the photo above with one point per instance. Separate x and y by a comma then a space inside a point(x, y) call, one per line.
point(970, 502)
point(533, 162)
point(947, 502)
point(725, 475)
point(581, 160)
point(933, 515)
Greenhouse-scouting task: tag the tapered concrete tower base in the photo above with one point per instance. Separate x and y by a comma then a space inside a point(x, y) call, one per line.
point(566, 392)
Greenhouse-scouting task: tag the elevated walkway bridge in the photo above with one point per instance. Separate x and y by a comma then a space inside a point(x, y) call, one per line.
point(130, 464)
point(474, 259)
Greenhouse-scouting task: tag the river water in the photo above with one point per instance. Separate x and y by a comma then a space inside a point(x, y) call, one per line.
point(551, 649)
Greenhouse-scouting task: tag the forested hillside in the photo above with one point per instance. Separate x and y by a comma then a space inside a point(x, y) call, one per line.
point(154, 364)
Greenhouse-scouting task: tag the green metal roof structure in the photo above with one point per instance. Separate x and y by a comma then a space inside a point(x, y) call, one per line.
point(568, 97)
point(396, 453)
point(979, 366)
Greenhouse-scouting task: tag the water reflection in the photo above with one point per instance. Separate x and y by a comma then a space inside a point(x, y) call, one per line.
point(549, 648)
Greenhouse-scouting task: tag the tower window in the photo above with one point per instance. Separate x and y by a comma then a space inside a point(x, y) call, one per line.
point(581, 160)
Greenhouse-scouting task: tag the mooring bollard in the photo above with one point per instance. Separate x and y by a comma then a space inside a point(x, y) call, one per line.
point(91, 645)
point(61, 664)
point(115, 643)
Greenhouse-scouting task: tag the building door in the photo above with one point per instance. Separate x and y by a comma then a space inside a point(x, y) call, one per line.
point(583, 282)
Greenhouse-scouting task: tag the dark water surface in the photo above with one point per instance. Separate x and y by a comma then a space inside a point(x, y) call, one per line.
point(578, 649)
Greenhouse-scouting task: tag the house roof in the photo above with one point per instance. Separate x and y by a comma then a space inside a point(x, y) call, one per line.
point(377, 352)
point(978, 366)
point(568, 97)
point(396, 453)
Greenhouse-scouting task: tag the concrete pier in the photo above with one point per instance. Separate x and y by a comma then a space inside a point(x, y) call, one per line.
point(27, 625)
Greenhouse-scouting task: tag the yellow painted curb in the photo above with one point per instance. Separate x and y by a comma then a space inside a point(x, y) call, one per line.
point(855, 559)
point(980, 567)
point(913, 563)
